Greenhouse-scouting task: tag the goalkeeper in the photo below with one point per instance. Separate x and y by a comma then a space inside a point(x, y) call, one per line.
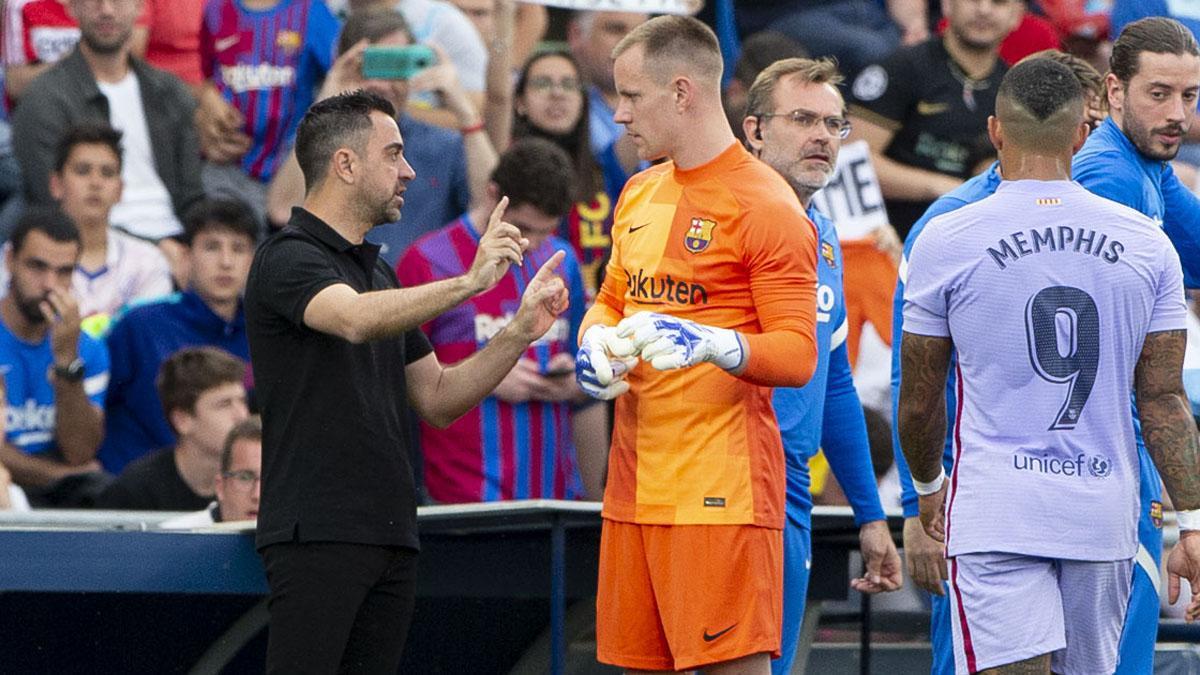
point(713, 282)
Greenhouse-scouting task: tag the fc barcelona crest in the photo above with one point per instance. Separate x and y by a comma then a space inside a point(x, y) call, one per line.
point(827, 254)
point(699, 235)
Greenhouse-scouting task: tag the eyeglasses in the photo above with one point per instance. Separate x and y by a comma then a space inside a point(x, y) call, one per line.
point(806, 119)
point(544, 83)
point(243, 480)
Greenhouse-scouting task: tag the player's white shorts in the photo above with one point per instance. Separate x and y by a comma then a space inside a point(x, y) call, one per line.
point(1006, 608)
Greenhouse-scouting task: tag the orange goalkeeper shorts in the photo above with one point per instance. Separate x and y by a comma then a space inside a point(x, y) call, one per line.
point(677, 597)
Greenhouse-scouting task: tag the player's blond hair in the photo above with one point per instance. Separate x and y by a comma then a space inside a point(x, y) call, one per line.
point(810, 71)
point(679, 41)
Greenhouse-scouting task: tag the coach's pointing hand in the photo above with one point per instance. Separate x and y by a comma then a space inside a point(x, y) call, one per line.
point(545, 297)
point(500, 246)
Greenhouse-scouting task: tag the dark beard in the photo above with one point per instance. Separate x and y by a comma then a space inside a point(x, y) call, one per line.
point(32, 311)
point(1143, 139)
point(104, 48)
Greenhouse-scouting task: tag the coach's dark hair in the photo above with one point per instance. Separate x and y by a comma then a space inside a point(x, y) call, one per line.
point(190, 372)
point(372, 25)
point(50, 221)
point(1040, 86)
point(87, 133)
point(1154, 34)
point(249, 429)
point(339, 121)
point(219, 214)
point(536, 172)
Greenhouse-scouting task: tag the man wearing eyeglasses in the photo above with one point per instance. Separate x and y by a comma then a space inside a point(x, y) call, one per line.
point(203, 396)
point(795, 122)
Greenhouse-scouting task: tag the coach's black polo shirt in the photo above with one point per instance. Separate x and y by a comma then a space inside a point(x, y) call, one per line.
point(939, 115)
point(335, 446)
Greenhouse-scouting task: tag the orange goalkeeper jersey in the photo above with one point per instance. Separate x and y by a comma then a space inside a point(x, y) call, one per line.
point(724, 244)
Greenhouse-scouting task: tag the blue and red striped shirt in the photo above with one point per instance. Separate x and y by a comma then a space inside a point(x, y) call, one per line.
point(498, 450)
point(268, 64)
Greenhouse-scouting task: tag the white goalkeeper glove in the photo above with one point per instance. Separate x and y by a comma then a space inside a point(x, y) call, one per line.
point(669, 342)
point(603, 362)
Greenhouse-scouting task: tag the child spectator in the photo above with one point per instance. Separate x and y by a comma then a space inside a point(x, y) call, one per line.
point(203, 396)
point(220, 237)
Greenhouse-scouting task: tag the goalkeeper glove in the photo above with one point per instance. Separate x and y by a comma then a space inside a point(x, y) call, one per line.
point(598, 373)
point(669, 342)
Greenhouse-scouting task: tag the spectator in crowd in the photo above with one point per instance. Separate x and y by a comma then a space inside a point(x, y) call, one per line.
point(452, 167)
point(488, 16)
point(855, 32)
point(262, 61)
point(12, 497)
point(550, 103)
point(592, 37)
point(237, 483)
point(441, 25)
point(924, 109)
point(55, 375)
point(758, 51)
point(39, 33)
point(115, 268)
point(203, 396)
point(464, 461)
point(174, 41)
point(102, 82)
point(220, 238)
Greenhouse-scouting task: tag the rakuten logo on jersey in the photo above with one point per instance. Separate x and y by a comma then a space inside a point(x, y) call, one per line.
point(242, 78)
point(1096, 466)
point(486, 327)
point(30, 423)
point(652, 290)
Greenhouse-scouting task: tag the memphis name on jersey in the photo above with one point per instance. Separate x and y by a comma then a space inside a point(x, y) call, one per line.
point(1055, 239)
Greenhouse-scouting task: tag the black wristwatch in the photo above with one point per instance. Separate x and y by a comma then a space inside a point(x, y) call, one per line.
point(72, 372)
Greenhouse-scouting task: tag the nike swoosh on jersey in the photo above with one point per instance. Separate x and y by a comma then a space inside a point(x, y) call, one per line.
point(927, 108)
point(635, 229)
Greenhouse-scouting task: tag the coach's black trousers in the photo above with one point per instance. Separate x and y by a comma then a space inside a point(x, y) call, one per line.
point(338, 608)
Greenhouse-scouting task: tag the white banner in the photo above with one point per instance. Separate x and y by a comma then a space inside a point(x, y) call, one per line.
point(853, 200)
point(688, 7)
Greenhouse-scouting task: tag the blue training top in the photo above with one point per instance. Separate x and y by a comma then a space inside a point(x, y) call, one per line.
point(826, 413)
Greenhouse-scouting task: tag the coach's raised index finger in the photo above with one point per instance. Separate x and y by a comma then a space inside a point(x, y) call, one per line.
point(497, 213)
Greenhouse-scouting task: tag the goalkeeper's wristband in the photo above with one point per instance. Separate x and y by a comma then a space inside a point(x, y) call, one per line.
point(926, 489)
point(1188, 520)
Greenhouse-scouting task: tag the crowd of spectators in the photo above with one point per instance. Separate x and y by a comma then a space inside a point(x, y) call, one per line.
point(146, 148)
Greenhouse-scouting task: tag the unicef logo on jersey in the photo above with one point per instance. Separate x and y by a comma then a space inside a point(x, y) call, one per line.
point(1037, 460)
point(1100, 467)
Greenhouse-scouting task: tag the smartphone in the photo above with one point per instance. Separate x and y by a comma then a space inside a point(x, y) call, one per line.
point(386, 62)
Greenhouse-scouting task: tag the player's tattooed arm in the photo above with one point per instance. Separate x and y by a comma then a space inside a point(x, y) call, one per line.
point(1167, 424)
point(924, 365)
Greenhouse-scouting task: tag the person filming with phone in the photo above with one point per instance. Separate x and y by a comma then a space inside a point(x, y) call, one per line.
point(377, 53)
point(537, 415)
